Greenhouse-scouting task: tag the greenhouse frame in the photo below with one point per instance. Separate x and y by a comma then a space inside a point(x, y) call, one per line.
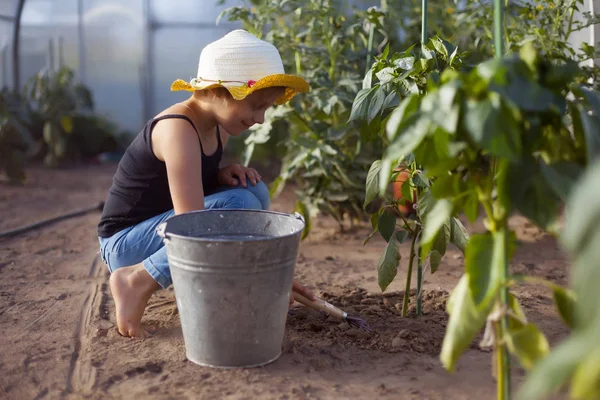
point(123, 50)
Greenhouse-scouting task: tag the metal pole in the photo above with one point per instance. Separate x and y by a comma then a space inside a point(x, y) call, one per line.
point(15, 48)
point(4, 55)
point(424, 21)
point(60, 56)
point(51, 55)
point(499, 27)
point(148, 103)
point(81, 47)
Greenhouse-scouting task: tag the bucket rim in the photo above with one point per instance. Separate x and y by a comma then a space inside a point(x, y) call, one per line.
point(162, 231)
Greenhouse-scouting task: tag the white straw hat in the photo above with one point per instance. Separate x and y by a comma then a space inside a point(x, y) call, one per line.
point(243, 64)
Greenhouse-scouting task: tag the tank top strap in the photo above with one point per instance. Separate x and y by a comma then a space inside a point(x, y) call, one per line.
point(179, 116)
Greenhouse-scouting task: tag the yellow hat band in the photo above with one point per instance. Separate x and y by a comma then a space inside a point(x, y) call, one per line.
point(239, 89)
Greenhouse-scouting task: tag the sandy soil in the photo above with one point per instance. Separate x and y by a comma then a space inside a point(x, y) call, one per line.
point(59, 339)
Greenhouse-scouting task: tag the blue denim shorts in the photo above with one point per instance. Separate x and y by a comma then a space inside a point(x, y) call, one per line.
point(140, 243)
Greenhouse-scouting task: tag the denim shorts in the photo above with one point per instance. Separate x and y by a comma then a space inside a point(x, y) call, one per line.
point(140, 243)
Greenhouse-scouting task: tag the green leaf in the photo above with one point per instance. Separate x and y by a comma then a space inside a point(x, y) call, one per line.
point(591, 132)
point(387, 224)
point(435, 259)
point(484, 262)
point(440, 108)
point(301, 208)
point(458, 234)
point(374, 225)
point(561, 177)
point(439, 46)
point(386, 52)
point(385, 75)
point(464, 323)
point(397, 118)
point(360, 106)
point(586, 379)
point(553, 371)
point(471, 206)
point(539, 203)
point(442, 238)
point(376, 104)
point(372, 184)
point(493, 127)
point(420, 180)
point(391, 100)
point(425, 203)
point(411, 134)
point(368, 80)
point(387, 267)
point(370, 131)
point(401, 236)
point(434, 221)
point(583, 211)
point(565, 303)
point(528, 343)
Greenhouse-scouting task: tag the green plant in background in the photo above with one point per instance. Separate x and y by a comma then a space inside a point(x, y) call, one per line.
point(468, 24)
point(390, 80)
point(56, 98)
point(576, 358)
point(323, 153)
point(504, 136)
point(15, 140)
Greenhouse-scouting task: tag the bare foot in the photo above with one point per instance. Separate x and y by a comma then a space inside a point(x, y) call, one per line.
point(131, 288)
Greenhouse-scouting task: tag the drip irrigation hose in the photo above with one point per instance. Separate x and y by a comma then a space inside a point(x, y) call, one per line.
point(71, 214)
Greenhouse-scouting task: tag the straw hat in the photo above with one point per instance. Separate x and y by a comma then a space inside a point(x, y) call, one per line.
point(243, 64)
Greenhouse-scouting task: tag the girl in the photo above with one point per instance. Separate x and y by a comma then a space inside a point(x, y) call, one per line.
point(173, 166)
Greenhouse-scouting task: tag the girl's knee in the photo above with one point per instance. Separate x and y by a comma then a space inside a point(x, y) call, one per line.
point(261, 192)
point(242, 199)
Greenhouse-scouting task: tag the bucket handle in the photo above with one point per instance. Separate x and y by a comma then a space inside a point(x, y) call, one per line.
point(161, 231)
point(300, 217)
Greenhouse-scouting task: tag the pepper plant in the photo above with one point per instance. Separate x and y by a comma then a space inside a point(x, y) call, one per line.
point(391, 79)
point(56, 98)
point(575, 360)
point(322, 153)
point(510, 135)
point(15, 140)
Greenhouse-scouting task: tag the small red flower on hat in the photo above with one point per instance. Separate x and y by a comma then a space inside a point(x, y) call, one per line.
point(251, 83)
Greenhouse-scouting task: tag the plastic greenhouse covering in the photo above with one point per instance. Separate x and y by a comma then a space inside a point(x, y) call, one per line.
point(127, 51)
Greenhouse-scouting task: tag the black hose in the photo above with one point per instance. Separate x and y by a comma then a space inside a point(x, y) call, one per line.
point(13, 232)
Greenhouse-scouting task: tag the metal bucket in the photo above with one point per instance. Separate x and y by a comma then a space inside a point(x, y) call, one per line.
point(232, 274)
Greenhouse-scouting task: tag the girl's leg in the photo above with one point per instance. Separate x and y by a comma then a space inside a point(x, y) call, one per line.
point(138, 261)
point(255, 197)
point(128, 255)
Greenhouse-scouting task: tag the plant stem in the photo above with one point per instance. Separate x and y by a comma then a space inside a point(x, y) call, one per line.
point(419, 282)
point(570, 29)
point(370, 47)
point(409, 272)
point(504, 378)
point(500, 362)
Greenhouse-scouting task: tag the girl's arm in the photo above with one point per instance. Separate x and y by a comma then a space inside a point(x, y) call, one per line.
point(175, 142)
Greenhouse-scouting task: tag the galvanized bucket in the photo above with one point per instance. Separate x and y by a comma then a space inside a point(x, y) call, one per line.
point(232, 274)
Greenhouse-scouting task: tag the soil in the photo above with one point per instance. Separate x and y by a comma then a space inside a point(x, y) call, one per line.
point(59, 339)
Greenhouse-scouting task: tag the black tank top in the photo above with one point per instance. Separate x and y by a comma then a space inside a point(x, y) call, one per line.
point(140, 189)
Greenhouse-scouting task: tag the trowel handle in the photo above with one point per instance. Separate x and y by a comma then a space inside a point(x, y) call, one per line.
point(320, 305)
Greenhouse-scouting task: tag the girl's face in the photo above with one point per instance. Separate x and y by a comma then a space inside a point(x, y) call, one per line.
point(237, 116)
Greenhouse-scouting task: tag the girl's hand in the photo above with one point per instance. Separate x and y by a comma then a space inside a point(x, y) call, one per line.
point(298, 287)
point(226, 175)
